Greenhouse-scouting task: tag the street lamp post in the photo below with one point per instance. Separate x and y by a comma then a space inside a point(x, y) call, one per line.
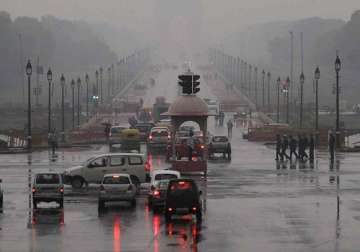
point(268, 92)
point(250, 68)
point(302, 80)
point(101, 85)
point(78, 102)
point(87, 96)
point(28, 73)
point(263, 89)
point(97, 81)
point(287, 98)
point(245, 81)
point(317, 77)
point(49, 78)
point(62, 82)
point(278, 100)
point(337, 70)
point(73, 103)
point(255, 86)
point(109, 82)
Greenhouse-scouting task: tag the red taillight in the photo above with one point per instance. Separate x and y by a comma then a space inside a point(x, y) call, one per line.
point(170, 209)
point(156, 193)
point(61, 190)
point(194, 209)
point(169, 137)
point(147, 167)
point(202, 146)
point(102, 188)
point(150, 137)
point(33, 189)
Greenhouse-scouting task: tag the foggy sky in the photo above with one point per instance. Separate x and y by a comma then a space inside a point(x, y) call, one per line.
point(217, 15)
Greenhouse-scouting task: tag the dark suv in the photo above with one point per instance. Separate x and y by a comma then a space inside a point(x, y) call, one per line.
point(183, 197)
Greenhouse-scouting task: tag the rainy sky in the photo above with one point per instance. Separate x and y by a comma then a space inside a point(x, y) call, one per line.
point(217, 14)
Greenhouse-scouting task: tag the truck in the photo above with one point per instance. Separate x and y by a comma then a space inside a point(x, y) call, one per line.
point(160, 106)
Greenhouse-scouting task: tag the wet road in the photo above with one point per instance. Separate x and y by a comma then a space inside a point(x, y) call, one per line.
point(251, 204)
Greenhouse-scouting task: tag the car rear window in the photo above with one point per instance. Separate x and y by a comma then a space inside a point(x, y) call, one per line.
point(165, 176)
point(116, 180)
point(219, 139)
point(160, 133)
point(181, 186)
point(47, 179)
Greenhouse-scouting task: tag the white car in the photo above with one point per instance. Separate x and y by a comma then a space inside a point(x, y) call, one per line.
point(117, 187)
point(94, 169)
point(159, 137)
point(48, 187)
point(158, 186)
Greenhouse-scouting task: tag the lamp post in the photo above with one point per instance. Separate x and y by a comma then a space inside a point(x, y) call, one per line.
point(62, 83)
point(268, 92)
point(245, 81)
point(73, 103)
point(87, 96)
point(278, 100)
point(97, 81)
point(78, 102)
point(302, 80)
point(263, 89)
point(337, 70)
point(255, 86)
point(109, 82)
point(317, 77)
point(28, 73)
point(250, 68)
point(101, 85)
point(49, 78)
point(287, 98)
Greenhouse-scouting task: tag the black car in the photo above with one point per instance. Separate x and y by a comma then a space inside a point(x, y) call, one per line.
point(1, 198)
point(183, 197)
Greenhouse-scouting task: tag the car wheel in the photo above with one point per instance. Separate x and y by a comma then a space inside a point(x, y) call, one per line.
point(77, 182)
point(101, 205)
point(229, 155)
point(61, 203)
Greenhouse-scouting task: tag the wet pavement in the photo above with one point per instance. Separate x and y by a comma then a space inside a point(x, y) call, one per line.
point(252, 203)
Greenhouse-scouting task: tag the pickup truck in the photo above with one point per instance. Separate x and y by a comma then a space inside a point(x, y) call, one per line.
point(220, 144)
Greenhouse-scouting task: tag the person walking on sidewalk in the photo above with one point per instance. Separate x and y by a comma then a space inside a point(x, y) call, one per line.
point(278, 148)
point(311, 148)
point(230, 126)
point(293, 147)
point(284, 146)
point(332, 146)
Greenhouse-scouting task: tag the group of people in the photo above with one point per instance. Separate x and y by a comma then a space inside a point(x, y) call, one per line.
point(297, 147)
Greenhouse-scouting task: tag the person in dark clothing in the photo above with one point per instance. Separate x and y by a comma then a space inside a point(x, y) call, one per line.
point(311, 148)
point(222, 116)
point(284, 146)
point(332, 146)
point(278, 148)
point(306, 145)
point(293, 146)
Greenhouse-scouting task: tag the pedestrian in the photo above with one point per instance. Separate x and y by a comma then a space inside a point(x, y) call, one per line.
point(300, 147)
point(278, 148)
point(284, 146)
point(230, 127)
point(332, 146)
point(311, 148)
point(293, 147)
point(305, 146)
point(216, 119)
point(190, 145)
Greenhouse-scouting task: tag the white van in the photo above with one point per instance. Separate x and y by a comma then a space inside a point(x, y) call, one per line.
point(94, 169)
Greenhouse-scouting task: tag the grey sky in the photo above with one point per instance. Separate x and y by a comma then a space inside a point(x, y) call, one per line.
point(222, 14)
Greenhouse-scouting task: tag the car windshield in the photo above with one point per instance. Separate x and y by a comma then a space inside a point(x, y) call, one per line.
point(219, 139)
point(116, 180)
point(165, 176)
point(47, 179)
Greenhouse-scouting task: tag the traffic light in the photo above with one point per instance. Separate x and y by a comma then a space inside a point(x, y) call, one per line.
point(196, 83)
point(186, 83)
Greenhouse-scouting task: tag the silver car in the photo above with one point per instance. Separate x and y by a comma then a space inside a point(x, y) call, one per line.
point(48, 187)
point(117, 187)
